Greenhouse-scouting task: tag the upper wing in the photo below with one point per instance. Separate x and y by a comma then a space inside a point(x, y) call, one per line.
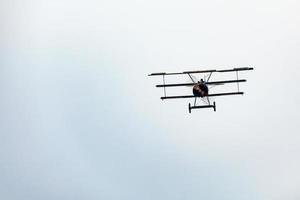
point(202, 71)
point(177, 73)
point(236, 69)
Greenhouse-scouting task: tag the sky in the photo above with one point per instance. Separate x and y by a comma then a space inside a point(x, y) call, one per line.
point(80, 118)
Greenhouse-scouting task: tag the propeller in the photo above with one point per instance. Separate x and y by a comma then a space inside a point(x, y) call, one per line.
point(204, 100)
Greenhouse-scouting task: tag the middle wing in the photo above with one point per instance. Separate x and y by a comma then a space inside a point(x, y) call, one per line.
point(209, 95)
point(208, 83)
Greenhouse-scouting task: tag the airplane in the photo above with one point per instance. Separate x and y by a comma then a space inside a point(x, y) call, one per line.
point(200, 88)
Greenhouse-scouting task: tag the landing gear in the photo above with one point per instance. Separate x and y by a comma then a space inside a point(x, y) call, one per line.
point(205, 106)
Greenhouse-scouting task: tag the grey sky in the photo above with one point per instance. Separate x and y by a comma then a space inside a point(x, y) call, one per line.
point(80, 119)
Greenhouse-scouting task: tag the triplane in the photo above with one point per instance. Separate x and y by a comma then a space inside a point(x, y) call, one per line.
point(201, 88)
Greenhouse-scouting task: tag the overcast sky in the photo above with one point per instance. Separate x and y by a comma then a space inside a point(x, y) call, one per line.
point(80, 118)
